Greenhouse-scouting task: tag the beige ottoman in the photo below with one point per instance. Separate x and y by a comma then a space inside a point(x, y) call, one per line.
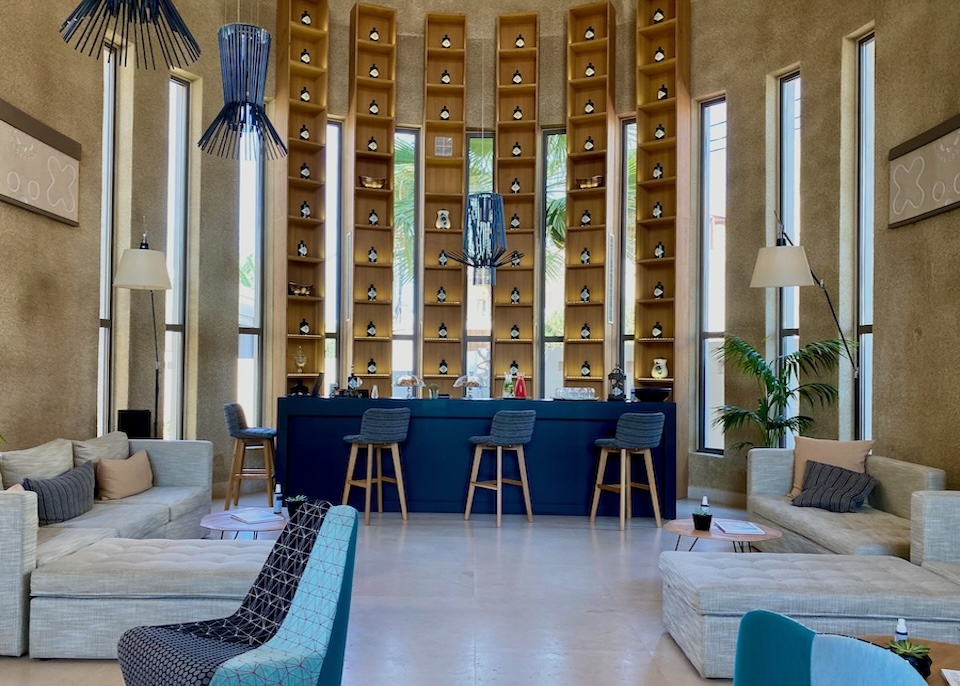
point(82, 603)
point(706, 594)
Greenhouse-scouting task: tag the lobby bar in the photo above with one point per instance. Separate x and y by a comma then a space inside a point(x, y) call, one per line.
point(436, 457)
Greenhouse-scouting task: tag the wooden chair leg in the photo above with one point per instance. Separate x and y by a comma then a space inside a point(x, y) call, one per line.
point(596, 489)
point(235, 466)
point(652, 481)
point(268, 466)
point(499, 483)
point(628, 485)
point(379, 461)
point(477, 453)
point(523, 482)
point(395, 448)
point(366, 500)
point(351, 466)
point(623, 487)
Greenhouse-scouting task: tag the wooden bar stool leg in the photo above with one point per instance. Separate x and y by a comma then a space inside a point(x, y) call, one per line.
point(395, 448)
point(601, 467)
point(477, 453)
point(351, 466)
point(623, 487)
point(523, 482)
point(652, 481)
point(239, 480)
point(629, 485)
point(233, 481)
point(379, 460)
point(268, 467)
point(499, 482)
point(366, 501)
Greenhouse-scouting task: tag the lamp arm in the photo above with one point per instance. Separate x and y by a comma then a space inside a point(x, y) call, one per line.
point(156, 371)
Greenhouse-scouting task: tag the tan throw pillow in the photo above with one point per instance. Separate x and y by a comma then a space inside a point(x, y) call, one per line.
point(42, 462)
point(850, 455)
point(121, 478)
point(112, 446)
point(16, 488)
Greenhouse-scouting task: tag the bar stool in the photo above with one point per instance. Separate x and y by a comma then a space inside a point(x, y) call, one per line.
point(253, 438)
point(379, 428)
point(636, 435)
point(511, 430)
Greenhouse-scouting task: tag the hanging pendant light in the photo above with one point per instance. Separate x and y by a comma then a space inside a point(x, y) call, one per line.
point(153, 26)
point(484, 235)
point(242, 129)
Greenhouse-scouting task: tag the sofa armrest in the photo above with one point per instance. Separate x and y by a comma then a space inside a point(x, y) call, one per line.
point(178, 463)
point(18, 558)
point(935, 527)
point(769, 471)
point(897, 480)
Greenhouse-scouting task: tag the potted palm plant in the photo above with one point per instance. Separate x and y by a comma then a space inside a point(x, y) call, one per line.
point(781, 384)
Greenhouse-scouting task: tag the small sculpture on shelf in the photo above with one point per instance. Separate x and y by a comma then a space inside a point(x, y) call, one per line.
point(445, 42)
point(517, 113)
point(443, 219)
point(514, 367)
point(585, 331)
point(585, 368)
point(657, 210)
point(305, 56)
point(617, 378)
point(373, 107)
point(590, 70)
point(658, 171)
point(658, 291)
point(517, 77)
point(515, 296)
point(372, 144)
point(373, 218)
point(585, 294)
point(589, 108)
point(304, 171)
point(441, 295)
point(372, 293)
point(304, 327)
point(663, 93)
point(301, 249)
point(585, 256)
point(304, 132)
point(444, 113)
point(445, 77)
point(516, 151)
point(442, 258)
point(660, 133)
point(374, 35)
point(657, 330)
point(442, 331)
point(371, 329)
point(588, 144)
point(519, 42)
point(305, 210)
point(372, 366)
point(304, 94)
point(443, 368)
point(354, 382)
point(305, 18)
point(300, 359)
point(585, 218)
point(659, 55)
point(515, 221)
point(515, 185)
point(374, 71)
point(514, 332)
point(589, 34)
point(659, 370)
point(515, 259)
point(658, 16)
point(659, 251)
point(372, 255)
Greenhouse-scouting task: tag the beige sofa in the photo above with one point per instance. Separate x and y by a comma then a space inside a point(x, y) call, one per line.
point(172, 509)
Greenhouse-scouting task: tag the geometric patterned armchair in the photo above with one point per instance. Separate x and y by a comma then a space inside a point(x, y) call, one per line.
point(290, 629)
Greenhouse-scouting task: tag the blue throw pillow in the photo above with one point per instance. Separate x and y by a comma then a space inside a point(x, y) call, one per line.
point(834, 488)
point(66, 496)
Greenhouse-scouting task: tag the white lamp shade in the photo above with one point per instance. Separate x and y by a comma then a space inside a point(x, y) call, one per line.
point(142, 269)
point(781, 266)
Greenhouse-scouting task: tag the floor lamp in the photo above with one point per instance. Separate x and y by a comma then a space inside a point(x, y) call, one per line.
point(146, 270)
point(784, 265)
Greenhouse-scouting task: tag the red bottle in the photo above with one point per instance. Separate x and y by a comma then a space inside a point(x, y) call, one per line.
point(520, 389)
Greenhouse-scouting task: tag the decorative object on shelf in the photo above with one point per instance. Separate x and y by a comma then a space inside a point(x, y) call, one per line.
point(373, 107)
point(372, 366)
point(304, 94)
point(657, 330)
point(659, 370)
point(442, 258)
point(588, 144)
point(585, 294)
point(374, 72)
point(304, 171)
point(585, 331)
point(517, 113)
point(242, 129)
point(353, 382)
point(445, 41)
point(589, 33)
point(585, 218)
point(301, 249)
point(585, 256)
point(372, 255)
point(589, 108)
point(443, 219)
point(662, 92)
point(520, 387)
point(304, 328)
point(657, 16)
point(300, 359)
point(508, 386)
point(371, 329)
point(658, 291)
point(657, 210)
point(514, 332)
point(441, 295)
point(515, 259)
point(517, 77)
point(374, 182)
point(514, 367)
point(445, 77)
point(519, 42)
point(660, 133)
point(443, 146)
point(442, 331)
point(585, 368)
point(374, 35)
point(304, 132)
point(372, 293)
point(305, 210)
point(444, 113)
point(484, 236)
point(515, 295)
point(515, 185)
point(590, 182)
point(294, 288)
point(443, 368)
point(305, 56)
point(410, 382)
point(659, 55)
point(516, 151)
point(305, 18)
point(702, 519)
point(617, 379)
point(515, 221)
point(659, 251)
point(590, 70)
point(372, 144)
point(658, 171)
point(467, 383)
point(374, 392)
point(373, 219)
point(144, 22)
point(299, 388)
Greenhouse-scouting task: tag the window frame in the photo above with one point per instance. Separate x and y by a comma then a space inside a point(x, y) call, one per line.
point(255, 412)
point(866, 179)
point(108, 176)
point(540, 353)
point(414, 338)
point(628, 264)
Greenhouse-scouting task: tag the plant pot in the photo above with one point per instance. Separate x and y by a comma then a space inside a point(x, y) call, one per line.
point(702, 522)
point(921, 664)
point(293, 506)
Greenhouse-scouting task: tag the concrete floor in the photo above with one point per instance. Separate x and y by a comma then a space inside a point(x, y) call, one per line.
point(442, 602)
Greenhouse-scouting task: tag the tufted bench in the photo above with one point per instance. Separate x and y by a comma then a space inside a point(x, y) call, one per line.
point(82, 603)
point(706, 594)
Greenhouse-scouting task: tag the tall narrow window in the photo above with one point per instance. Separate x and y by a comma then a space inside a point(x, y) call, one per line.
point(479, 291)
point(406, 187)
point(250, 349)
point(178, 142)
point(332, 232)
point(789, 324)
point(713, 244)
point(104, 386)
point(628, 273)
point(865, 142)
point(554, 261)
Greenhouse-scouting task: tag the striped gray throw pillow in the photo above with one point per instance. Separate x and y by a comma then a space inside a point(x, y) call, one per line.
point(833, 488)
point(66, 496)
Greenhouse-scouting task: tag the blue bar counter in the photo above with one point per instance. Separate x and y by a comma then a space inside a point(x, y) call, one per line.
point(436, 457)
